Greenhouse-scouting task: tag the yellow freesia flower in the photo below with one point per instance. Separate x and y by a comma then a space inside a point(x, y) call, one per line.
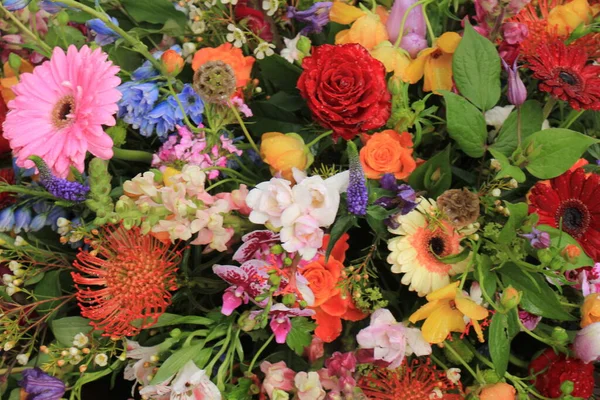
point(393, 58)
point(566, 17)
point(435, 63)
point(367, 28)
point(445, 312)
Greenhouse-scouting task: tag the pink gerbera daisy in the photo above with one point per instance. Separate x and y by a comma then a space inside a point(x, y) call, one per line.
point(60, 108)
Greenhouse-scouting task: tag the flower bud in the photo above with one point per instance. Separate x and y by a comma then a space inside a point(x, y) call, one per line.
point(498, 391)
point(276, 249)
point(560, 335)
point(567, 387)
point(246, 323)
point(289, 299)
point(175, 333)
point(517, 93)
point(587, 344)
point(571, 253)
point(283, 152)
point(62, 18)
point(304, 44)
point(173, 62)
point(510, 298)
point(413, 43)
point(414, 22)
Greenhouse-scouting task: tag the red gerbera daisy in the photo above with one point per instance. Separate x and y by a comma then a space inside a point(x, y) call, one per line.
point(574, 198)
point(563, 72)
point(132, 275)
point(559, 368)
point(418, 381)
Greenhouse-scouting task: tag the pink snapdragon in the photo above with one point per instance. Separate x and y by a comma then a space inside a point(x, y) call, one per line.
point(309, 386)
point(277, 377)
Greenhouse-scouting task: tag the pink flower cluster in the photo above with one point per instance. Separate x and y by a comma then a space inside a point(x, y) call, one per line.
point(184, 147)
point(181, 207)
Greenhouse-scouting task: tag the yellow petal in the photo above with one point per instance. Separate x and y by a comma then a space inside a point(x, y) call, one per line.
point(471, 309)
point(414, 72)
point(393, 58)
point(424, 312)
point(344, 14)
point(441, 322)
point(168, 175)
point(478, 330)
point(448, 292)
point(343, 37)
point(448, 42)
point(438, 73)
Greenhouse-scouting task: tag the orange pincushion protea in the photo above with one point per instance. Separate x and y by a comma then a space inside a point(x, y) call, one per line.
point(128, 277)
point(418, 380)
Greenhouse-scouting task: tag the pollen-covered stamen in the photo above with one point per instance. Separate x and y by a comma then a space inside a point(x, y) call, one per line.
point(62, 112)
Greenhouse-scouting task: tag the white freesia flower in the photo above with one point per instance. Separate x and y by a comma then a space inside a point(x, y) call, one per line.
point(291, 52)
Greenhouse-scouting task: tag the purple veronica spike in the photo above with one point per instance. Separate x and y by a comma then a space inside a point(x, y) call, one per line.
point(41, 386)
point(317, 16)
point(538, 239)
point(357, 195)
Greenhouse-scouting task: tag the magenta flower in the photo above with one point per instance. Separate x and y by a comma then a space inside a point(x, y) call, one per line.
point(529, 321)
point(587, 279)
point(256, 245)
point(517, 93)
point(415, 30)
point(341, 364)
point(247, 282)
point(280, 320)
point(587, 343)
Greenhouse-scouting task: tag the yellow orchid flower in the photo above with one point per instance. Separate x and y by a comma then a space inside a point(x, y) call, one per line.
point(367, 28)
point(435, 63)
point(445, 312)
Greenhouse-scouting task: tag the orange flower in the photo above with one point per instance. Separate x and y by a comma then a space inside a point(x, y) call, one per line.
point(11, 79)
point(282, 152)
point(590, 311)
point(498, 391)
point(173, 62)
point(323, 278)
point(388, 152)
point(330, 315)
point(367, 28)
point(566, 17)
point(242, 66)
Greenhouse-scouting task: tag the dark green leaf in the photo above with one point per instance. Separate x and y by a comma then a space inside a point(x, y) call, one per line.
point(513, 323)
point(124, 58)
point(63, 36)
point(300, 335)
point(560, 239)
point(241, 391)
point(154, 11)
point(203, 357)
point(375, 217)
point(421, 178)
point(499, 342)
point(532, 118)
point(538, 298)
point(466, 124)
point(48, 288)
point(341, 226)
point(173, 319)
point(507, 170)
point(65, 329)
point(555, 150)
point(175, 362)
point(454, 258)
point(518, 214)
point(476, 69)
point(278, 71)
point(486, 278)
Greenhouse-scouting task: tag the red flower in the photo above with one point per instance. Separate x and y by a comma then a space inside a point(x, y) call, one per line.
point(7, 175)
point(573, 197)
point(132, 275)
point(565, 74)
point(255, 20)
point(559, 368)
point(345, 89)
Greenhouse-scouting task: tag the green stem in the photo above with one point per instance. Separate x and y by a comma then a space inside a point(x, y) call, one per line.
point(263, 347)
point(573, 116)
point(517, 361)
point(231, 172)
point(548, 107)
point(243, 126)
point(135, 43)
point(463, 362)
point(219, 183)
point(132, 155)
point(318, 138)
point(438, 362)
point(223, 349)
point(518, 127)
point(45, 49)
point(405, 17)
point(429, 28)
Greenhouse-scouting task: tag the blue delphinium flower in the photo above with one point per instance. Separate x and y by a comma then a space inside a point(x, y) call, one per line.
point(162, 119)
point(357, 195)
point(317, 16)
point(191, 102)
point(7, 219)
point(41, 386)
point(137, 101)
point(46, 5)
point(23, 219)
point(14, 5)
point(104, 35)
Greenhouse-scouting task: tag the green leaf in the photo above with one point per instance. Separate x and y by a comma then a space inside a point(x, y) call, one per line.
point(532, 118)
point(301, 334)
point(375, 217)
point(65, 329)
point(421, 178)
point(341, 226)
point(48, 288)
point(203, 357)
point(507, 170)
point(476, 69)
point(518, 214)
point(15, 394)
point(154, 11)
point(555, 151)
point(278, 71)
point(499, 342)
point(241, 391)
point(454, 258)
point(176, 361)
point(63, 36)
point(173, 319)
point(538, 298)
point(513, 323)
point(486, 278)
point(466, 124)
point(560, 239)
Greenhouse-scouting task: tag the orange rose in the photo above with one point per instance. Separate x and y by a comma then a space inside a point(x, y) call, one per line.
point(388, 152)
point(173, 62)
point(590, 311)
point(498, 391)
point(284, 152)
point(242, 66)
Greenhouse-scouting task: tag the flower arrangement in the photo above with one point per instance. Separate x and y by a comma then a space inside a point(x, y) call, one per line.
point(345, 200)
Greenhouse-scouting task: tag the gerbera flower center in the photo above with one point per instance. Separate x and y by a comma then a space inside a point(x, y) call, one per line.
point(436, 244)
point(575, 217)
point(62, 110)
point(568, 78)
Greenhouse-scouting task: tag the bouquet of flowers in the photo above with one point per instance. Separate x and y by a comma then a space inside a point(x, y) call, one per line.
point(348, 199)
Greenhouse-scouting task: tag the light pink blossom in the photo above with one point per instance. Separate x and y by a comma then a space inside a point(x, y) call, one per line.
point(277, 376)
point(309, 386)
point(587, 343)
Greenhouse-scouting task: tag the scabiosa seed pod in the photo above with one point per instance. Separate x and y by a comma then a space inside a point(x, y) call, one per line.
point(59, 187)
point(357, 195)
point(214, 81)
point(460, 206)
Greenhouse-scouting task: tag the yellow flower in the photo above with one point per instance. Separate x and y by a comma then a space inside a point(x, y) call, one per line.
point(168, 175)
point(435, 63)
point(590, 311)
point(393, 58)
point(445, 313)
point(11, 78)
point(283, 152)
point(565, 18)
point(367, 28)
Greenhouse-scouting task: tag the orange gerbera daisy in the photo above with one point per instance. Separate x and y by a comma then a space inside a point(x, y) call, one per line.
point(132, 275)
point(232, 56)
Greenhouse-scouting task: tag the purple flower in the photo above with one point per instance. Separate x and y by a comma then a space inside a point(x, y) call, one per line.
point(41, 386)
point(413, 39)
point(317, 16)
point(405, 199)
point(388, 182)
point(587, 345)
point(586, 279)
point(281, 324)
point(247, 282)
point(341, 364)
point(538, 239)
point(59, 187)
point(517, 93)
point(357, 195)
point(530, 321)
point(104, 34)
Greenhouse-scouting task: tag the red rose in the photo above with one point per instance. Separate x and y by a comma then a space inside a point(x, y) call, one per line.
point(255, 20)
point(559, 368)
point(345, 89)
